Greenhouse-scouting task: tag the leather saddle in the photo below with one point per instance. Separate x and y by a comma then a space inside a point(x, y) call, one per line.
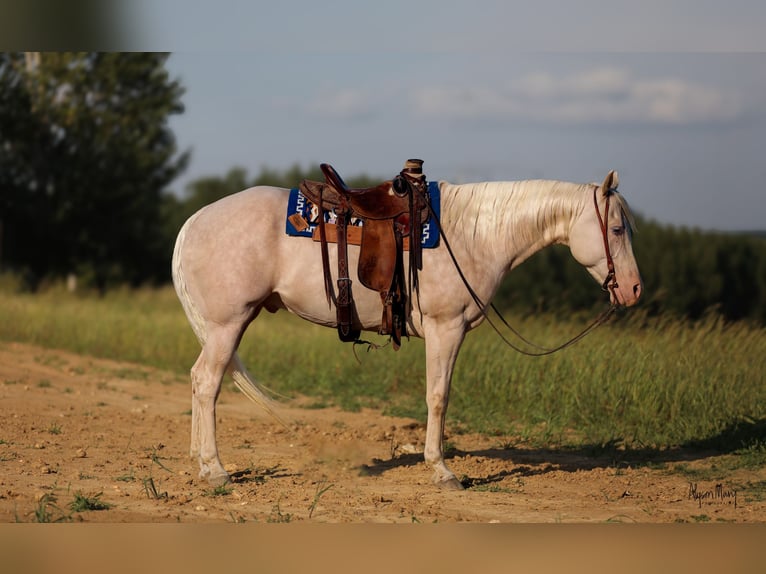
point(392, 215)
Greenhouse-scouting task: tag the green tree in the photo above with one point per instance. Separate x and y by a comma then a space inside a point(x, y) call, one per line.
point(85, 154)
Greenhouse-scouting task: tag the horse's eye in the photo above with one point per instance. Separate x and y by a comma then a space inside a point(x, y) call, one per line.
point(617, 231)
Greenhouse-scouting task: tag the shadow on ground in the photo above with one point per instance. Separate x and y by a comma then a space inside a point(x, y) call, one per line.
point(737, 438)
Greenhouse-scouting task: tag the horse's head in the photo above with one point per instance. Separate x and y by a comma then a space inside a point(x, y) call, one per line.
point(601, 240)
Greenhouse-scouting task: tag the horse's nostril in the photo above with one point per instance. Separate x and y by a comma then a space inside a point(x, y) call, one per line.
point(637, 290)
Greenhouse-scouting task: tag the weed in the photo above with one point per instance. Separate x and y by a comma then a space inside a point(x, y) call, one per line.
point(277, 516)
point(153, 454)
point(83, 503)
point(44, 384)
point(54, 428)
point(151, 490)
point(126, 477)
point(222, 490)
point(46, 506)
point(322, 487)
point(700, 518)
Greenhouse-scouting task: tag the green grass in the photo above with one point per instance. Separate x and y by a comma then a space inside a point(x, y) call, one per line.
point(83, 503)
point(637, 383)
point(143, 326)
point(47, 511)
point(665, 384)
point(222, 490)
point(322, 487)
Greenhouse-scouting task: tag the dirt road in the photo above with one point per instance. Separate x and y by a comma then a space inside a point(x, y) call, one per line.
point(99, 433)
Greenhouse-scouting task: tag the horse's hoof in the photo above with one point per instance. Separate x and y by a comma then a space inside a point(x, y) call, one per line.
point(215, 479)
point(451, 483)
point(219, 480)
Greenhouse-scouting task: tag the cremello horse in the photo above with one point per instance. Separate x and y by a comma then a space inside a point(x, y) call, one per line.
point(232, 259)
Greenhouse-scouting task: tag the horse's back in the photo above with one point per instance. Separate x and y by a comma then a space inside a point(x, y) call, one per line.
point(250, 208)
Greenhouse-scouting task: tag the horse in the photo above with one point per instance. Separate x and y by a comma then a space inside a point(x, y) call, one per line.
point(232, 259)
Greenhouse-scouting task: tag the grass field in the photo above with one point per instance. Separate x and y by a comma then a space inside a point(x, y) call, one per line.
point(637, 382)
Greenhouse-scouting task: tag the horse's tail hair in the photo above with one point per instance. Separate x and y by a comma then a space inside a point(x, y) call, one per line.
point(179, 282)
point(242, 379)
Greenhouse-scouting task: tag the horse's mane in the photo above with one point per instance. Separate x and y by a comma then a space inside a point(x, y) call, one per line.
point(477, 210)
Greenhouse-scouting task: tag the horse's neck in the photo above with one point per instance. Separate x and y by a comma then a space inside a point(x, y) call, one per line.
point(503, 223)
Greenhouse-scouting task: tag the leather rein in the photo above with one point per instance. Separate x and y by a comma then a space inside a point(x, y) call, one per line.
point(609, 284)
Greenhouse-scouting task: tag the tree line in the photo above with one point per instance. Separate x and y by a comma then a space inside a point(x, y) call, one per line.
point(687, 272)
point(87, 159)
point(85, 154)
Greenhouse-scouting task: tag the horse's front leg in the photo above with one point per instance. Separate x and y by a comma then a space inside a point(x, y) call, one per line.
point(442, 345)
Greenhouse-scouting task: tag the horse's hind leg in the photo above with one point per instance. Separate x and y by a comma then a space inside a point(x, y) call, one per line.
point(207, 375)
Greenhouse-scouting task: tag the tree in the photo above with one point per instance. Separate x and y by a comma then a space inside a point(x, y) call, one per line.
point(85, 154)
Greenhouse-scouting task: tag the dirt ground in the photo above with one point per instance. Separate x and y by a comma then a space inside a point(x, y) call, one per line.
point(75, 428)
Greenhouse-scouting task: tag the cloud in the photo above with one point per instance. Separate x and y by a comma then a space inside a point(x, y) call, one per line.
point(605, 96)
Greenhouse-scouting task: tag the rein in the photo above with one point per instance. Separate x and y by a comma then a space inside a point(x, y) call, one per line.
point(610, 284)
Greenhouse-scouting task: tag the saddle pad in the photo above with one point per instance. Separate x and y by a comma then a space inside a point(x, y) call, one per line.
point(302, 217)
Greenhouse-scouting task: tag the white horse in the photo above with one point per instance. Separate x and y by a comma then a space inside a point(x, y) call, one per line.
point(232, 259)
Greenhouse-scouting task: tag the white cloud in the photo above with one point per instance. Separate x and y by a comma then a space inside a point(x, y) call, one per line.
point(597, 96)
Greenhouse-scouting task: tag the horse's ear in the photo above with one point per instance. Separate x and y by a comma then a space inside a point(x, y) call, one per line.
point(611, 182)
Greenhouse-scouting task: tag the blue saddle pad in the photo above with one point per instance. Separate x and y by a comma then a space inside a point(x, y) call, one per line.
point(298, 204)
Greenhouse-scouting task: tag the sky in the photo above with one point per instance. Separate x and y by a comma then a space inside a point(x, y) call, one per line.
point(670, 94)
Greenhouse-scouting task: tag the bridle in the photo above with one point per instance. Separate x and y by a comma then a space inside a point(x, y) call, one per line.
point(610, 283)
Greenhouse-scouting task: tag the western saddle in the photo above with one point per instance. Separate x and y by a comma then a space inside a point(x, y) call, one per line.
point(392, 215)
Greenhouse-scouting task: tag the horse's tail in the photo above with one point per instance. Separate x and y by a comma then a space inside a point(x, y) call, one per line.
point(242, 379)
point(179, 282)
